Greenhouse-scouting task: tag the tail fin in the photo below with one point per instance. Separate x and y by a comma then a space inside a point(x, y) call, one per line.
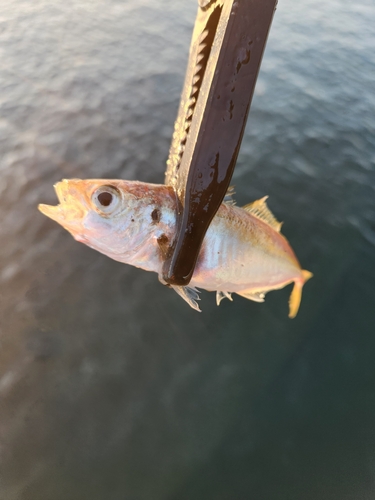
point(295, 296)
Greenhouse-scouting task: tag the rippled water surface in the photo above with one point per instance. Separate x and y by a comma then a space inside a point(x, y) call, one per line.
point(111, 386)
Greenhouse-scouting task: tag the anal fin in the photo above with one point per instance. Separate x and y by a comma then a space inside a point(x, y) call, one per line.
point(255, 296)
point(223, 295)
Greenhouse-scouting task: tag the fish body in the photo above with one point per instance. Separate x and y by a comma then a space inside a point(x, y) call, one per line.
point(132, 222)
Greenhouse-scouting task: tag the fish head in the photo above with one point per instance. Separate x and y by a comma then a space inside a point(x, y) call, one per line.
point(107, 215)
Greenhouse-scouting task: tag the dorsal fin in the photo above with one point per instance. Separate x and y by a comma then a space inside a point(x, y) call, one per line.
point(228, 198)
point(260, 210)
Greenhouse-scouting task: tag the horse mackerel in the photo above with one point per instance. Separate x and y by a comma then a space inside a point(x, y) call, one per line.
point(133, 222)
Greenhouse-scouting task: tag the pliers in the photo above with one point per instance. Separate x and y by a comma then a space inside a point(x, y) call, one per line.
point(226, 50)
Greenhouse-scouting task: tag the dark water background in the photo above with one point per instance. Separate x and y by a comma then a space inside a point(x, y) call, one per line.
point(111, 386)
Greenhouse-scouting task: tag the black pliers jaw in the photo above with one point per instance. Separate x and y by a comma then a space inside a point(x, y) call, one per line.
point(225, 54)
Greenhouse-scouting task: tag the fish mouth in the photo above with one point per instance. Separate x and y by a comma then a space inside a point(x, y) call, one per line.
point(53, 212)
point(71, 209)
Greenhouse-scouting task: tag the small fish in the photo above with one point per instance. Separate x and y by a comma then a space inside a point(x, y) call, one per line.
point(134, 222)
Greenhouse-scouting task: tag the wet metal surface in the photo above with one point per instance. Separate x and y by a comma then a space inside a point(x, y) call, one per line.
point(110, 385)
point(226, 51)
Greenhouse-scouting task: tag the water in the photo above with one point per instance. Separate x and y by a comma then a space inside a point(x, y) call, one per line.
point(111, 386)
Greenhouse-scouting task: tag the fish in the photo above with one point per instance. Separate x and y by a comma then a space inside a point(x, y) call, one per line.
point(135, 223)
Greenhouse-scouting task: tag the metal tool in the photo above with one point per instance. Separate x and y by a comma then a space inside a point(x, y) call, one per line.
point(228, 41)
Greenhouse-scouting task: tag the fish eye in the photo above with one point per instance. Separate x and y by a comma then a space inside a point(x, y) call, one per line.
point(106, 199)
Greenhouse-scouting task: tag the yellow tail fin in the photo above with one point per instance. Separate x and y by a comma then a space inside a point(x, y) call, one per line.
point(295, 296)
